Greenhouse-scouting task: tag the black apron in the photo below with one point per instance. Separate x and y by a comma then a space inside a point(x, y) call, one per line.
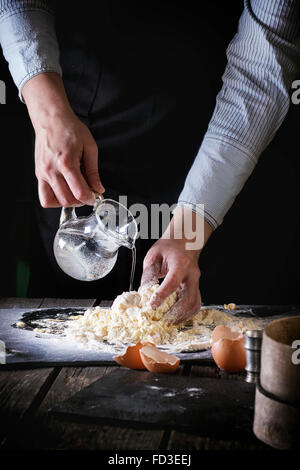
point(141, 77)
point(144, 76)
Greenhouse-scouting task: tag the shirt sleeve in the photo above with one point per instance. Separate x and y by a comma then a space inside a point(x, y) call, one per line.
point(263, 60)
point(28, 39)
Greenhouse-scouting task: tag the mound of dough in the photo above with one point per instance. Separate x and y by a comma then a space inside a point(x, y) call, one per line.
point(131, 319)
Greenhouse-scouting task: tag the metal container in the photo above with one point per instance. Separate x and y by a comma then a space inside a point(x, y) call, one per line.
point(277, 400)
point(279, 374)
point(252, 345)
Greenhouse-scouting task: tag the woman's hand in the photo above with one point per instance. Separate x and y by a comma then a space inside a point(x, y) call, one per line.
point(175, 260)
point(66, 154)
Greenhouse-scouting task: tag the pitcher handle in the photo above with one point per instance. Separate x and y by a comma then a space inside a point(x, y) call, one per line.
point(98, 199)
point(69, 213)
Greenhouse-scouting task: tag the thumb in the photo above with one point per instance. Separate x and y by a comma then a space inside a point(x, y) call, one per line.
point(90, 167)
point(151, 269)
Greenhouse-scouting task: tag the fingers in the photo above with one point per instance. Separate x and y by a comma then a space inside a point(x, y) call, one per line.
point(58, 195)
point(187, 305)
point(90, 168)
point(46, 195)
point(62, 192)
point(169, 285)
point(66, 158)
point(151, 270)
point(78, 186)
point(150, 274)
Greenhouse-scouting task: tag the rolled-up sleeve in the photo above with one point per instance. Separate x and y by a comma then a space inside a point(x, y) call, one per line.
point(28, 39)
point(263, 60)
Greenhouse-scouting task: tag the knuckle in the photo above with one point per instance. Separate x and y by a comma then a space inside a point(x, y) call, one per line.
point(65, 160)
point(93, 176)
point(173, 280)
point(148, 262)
point(93, 146)
point(44, 169)
point(66, 201)
point(80, 194)
point(46, 203)
point(185, 262)
point(150, 258)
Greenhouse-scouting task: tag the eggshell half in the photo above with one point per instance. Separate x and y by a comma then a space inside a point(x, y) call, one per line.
point(132, 358)
point(158, 361)
point(228, 349)
point(222, 331)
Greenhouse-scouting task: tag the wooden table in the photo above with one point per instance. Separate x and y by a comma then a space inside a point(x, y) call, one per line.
point(27, 393)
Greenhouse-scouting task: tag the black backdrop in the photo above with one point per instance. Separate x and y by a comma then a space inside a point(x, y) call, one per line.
point(252, 258)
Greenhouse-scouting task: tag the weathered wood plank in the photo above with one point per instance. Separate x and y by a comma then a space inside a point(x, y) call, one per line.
point(14, 302)
point(22, 391)
point(51, 433)
point(47, 303)
point(31, 426)
point(18, 391)
point(212, 371)
point(186, 441)
point(189, 442)
point(19, 388)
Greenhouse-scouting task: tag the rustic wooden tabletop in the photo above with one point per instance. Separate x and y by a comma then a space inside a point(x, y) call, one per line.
point(26, 394)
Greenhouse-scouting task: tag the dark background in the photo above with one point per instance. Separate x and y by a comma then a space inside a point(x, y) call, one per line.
point(252, 258)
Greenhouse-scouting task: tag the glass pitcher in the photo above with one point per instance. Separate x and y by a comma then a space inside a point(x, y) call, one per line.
point(86, 248)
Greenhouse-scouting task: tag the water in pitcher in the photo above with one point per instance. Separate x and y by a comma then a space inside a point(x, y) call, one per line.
point(86, 248)
point(83, 257)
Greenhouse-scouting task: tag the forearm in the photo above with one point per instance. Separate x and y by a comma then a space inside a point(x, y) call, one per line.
point(254, 99)
point(28, 39)
point(189, 230)
point(46, 99)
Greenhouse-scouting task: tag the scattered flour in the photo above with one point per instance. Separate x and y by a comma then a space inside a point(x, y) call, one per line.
point(131, 319)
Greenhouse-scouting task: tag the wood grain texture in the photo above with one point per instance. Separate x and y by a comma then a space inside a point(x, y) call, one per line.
point(19, 388)
point(13, 302)
point(18, 392)
point(27, 395)
point(41, 431)
point(21, 391)
point(186, 441)
point(214, 372)
point(47, 303)
point(189, 442)
point(48, 432)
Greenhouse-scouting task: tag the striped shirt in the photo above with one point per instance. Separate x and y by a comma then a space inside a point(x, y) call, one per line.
point(263, 60)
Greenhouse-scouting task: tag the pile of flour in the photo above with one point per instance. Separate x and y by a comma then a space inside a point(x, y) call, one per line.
point(131, 319)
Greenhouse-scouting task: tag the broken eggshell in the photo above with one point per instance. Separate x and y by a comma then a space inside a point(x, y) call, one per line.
point(158, 361)
point(131, 357)
point(228, 349)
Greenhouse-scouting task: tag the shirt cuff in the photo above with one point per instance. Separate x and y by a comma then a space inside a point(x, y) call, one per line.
point(217, 175)
point(29, 44)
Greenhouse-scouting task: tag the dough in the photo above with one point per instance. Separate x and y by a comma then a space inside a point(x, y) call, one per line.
point(131, 319)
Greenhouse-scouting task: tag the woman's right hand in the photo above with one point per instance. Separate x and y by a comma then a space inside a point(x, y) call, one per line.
point(66, 154)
